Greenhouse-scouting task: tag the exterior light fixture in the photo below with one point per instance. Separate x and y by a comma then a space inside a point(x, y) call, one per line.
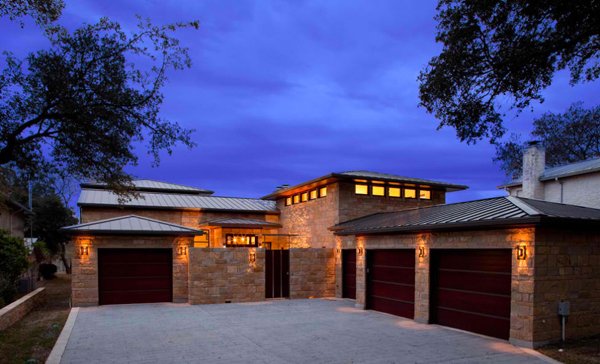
point(252, 257)
point(521, 252)
point(422, 252)
point(360, 251)
point(182, 250)
point(84, 250)
point(339, 250)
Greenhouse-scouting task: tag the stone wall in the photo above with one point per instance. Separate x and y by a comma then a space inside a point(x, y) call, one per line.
point(312, 273)
point(352, 206)
point(311, 220)
point(15, 311)
point(226, 275)
point(521, 329)
point(84, 281)
point(567, 267)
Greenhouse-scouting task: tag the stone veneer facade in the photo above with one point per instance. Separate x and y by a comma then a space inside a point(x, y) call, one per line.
point(560, 264)
point(226, 275)
point(312, 219)
point(312, 273)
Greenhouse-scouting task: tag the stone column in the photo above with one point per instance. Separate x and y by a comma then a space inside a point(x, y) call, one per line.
point(534, 163)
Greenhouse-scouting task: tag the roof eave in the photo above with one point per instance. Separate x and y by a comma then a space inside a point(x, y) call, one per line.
point(84, 204)
point(132, 232)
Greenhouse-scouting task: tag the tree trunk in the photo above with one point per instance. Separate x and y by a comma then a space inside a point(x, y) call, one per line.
point(63, 257)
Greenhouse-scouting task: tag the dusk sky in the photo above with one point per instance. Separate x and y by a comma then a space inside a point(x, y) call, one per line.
point(283, 92)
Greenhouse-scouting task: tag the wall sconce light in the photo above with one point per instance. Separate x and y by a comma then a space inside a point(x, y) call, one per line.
point(422, 252)
point(521, 252)
point(252, 257)
point(84, 251)
point(360, 250)
point(339, 250)
point(182, 250)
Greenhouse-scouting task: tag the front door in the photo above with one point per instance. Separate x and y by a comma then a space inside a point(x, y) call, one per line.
point(349, 273)
point(277, 273)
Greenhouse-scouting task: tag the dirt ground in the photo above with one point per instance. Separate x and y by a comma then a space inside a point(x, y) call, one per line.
point(31, 340)
point(583, 351)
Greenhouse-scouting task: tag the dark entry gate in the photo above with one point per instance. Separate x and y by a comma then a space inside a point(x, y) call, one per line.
point(277, 273)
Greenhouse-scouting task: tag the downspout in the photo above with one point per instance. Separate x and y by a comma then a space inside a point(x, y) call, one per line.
point(561, 188)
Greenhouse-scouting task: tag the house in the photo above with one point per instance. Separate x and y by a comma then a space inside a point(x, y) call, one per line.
point(575, 183)
point(12, 217)
point(496, 266)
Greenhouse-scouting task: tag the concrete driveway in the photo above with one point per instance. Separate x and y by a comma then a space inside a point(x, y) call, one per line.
point(288, 331)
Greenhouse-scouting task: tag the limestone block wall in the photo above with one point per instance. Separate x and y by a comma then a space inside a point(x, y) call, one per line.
point(567, 267)
point(12, 313)
point(84, 280)
point(522, 299)
point(312, 273)
point(311, 220)
point(226, 275)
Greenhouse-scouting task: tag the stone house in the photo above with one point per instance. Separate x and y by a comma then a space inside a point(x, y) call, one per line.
point(495, 266)
point(12, 217)
point(575, 183)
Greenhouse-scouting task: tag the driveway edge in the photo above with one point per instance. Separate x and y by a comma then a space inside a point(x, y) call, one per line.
point(61, 343)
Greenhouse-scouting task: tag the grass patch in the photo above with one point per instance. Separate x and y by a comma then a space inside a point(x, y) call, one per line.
point(31, 340)
point(581, 351)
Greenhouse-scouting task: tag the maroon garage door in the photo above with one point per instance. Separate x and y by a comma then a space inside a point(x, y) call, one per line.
point(470, 290)
point(391, 281)
point(135, 275)
point(349, 273)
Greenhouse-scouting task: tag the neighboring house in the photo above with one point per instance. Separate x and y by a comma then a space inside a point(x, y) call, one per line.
point(496, 266)
point(575, 183)
point(13, 216)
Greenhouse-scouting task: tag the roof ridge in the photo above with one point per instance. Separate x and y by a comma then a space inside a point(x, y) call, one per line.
point(128, 217)
point(523, 205)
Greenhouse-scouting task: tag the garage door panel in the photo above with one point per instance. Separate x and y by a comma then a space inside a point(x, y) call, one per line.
point(394, 274)
point(474, 302)
point(490, 326)
point(393, 307)
point(135, 275)
point(470, 290)
point(393, 291)
point(391, 281)
point(134, 270)
point(464, 280)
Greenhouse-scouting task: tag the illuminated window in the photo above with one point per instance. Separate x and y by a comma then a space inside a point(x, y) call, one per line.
point(378, 191)
point(241, 240)
point(313, 194)
point(288, 201)
point(305, 197)
point(378, 182)
point(361, 189)
point(410, 193)
point(425, 195)
point(296, 198)
point(201, 241)
point(323, 192)
point(394, 192)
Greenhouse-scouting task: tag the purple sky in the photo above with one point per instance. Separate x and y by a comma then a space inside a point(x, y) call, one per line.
point(283, 92)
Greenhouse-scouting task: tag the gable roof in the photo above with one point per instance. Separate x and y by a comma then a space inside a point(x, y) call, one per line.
point(567, 170)
point(156, 186)
point(487, 212)
point(350, 175)
point(93, 197)
point(131, 224)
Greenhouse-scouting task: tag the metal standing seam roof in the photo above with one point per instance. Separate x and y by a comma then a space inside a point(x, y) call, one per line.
point(567, 170)
point(93, 197)
point(492, 211)
point(131, 224)
point(241, 222)
point(151, 185)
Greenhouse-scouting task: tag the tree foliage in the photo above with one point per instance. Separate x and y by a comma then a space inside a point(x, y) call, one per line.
point(79, 106)
point(43, 11)
point(569, 137)
point(13, 256)
point(505, 52)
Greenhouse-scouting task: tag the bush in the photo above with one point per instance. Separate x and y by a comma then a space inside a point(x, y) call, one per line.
point(47, 271)
point(13, 258)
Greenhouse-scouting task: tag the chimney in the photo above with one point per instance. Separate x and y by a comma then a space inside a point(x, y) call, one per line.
point(534, 163)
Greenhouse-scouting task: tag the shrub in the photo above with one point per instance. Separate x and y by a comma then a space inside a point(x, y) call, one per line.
point(13, 258)
point(47, 271)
